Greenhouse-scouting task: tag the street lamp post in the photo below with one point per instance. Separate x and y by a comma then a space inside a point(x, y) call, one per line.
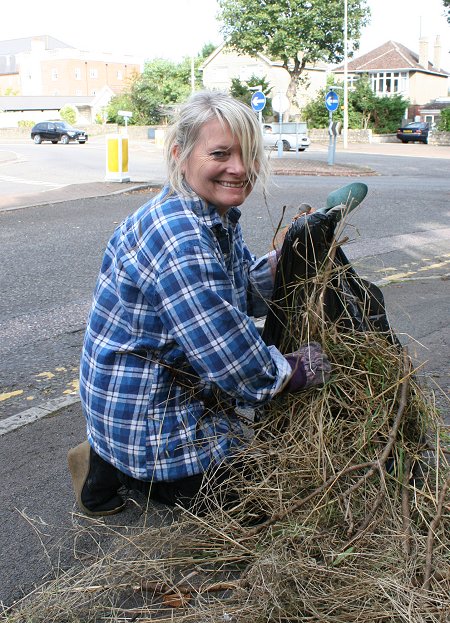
point(345, 128)
point(192, 74)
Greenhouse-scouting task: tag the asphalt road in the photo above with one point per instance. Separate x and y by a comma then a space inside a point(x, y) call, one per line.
point(50, 256)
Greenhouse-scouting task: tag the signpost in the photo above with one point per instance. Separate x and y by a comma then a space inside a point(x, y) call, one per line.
point(280, 104)
point(332, 103)
point(258, 103)
point(126, 114)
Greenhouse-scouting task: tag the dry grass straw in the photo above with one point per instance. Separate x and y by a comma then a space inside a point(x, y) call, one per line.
point(355, 510)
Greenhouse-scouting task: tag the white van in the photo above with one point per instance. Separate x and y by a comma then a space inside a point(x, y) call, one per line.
point(293, 136)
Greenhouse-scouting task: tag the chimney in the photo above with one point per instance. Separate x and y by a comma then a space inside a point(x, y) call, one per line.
point(423, 52)
point(437, 54)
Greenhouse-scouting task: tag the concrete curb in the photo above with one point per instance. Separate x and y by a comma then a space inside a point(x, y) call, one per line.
point(51, 407)
point(86, 191)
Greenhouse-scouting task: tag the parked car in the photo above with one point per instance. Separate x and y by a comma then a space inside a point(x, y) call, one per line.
point(292, 136)
point(56, 131)
point(415, 131)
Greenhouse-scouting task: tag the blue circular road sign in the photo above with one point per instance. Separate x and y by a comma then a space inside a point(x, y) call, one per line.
point(258, 101)
point(331, 101)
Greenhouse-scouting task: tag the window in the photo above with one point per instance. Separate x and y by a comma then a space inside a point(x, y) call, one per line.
point(54, 74)
point(93, 73)
point(387, 82)
point(77, 73)
point(120, 75)
point(78, 92)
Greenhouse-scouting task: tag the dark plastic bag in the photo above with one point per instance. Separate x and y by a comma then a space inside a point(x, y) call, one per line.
point(349, 301)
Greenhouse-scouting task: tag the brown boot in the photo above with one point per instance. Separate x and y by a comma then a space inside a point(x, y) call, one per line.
point(95, 482)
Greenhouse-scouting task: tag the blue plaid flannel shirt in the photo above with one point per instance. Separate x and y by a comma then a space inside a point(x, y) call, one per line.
point(173, 293)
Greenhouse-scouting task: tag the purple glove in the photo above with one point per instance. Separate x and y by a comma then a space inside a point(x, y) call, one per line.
point(310, 366)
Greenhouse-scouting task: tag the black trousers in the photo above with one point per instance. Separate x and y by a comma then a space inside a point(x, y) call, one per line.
point(193, 492)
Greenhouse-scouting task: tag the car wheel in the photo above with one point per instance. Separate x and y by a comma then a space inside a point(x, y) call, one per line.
point(425, 142)
point(286, 146)
point(37, 139)
point(64, 139)
point(403, 141)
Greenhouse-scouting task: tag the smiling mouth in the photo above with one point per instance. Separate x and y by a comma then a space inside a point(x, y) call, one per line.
point(232, 184)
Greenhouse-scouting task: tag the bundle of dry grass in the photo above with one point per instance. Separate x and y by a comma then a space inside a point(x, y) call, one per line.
point(342, 513)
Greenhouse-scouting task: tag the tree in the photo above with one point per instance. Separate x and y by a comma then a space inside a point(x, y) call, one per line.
point(207, 49)
point(119, 102)
point(68, 113)
point(388, 113)
point(444, 120)
point(295, 32)
point(243, 91)
point(446, 3)
point(162, 84)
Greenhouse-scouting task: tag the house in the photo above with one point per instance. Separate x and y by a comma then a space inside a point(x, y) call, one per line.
point(431, 111)
point(45, 66)
point(393, 68)
point(225, 64)
point(48, 74)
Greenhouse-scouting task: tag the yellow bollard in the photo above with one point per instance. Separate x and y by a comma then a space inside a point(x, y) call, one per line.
point(117, 158)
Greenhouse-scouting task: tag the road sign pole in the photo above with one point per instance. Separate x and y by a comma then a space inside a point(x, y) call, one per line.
point(334, 143)
point(280, 143)
point(330, 142)
point(280, 104)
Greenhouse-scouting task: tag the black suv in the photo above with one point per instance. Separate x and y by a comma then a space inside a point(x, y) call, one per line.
point(56, 131)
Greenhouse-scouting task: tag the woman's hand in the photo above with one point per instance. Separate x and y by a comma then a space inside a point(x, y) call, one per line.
point(310, 367)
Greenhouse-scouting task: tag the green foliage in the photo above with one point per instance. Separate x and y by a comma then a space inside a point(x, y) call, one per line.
point(23, 123)
point(295, 32)
point(242, 91)
point(102, 115)
point(9, 92)
point(446, 3)
point(119, 102)
point(365, 109)
point(388, 113)
point(444, 120)
point(162, 84)
point(68, 114)
point(207, 49)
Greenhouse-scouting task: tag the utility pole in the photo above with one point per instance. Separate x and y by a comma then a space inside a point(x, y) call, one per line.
point(345, 129)
point(192, 74)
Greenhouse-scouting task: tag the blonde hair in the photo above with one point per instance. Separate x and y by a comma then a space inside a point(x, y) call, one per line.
point(206, 106)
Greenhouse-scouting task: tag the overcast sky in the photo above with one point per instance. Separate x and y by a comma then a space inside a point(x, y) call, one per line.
point(176, 28)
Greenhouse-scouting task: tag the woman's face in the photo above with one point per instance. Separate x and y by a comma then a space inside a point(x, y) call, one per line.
point(215, 170)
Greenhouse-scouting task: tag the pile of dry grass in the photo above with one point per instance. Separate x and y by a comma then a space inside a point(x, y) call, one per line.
point(343, 514)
